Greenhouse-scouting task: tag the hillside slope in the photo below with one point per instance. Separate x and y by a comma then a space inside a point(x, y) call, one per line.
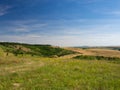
point(70, 71)
point(29, 49)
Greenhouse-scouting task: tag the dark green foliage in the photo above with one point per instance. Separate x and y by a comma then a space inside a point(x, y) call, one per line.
point(47, 50)
point(18, 52)
point(38, 50)
point(86, 57)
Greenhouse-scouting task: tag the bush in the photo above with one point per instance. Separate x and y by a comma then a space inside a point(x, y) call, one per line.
point(86, 57)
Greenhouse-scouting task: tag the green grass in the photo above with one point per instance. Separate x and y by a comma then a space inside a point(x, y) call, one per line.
point(37, 73)
point(40, 72)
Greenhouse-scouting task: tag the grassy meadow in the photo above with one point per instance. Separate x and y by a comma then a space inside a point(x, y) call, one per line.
point(26, 72)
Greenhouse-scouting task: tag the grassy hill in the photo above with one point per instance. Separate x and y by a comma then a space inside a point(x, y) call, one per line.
point(29, 49)
point(33, 68)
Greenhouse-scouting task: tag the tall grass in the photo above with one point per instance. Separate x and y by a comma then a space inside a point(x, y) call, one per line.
point(59, 74)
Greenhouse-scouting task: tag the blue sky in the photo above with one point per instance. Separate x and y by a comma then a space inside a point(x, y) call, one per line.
point(61, 22)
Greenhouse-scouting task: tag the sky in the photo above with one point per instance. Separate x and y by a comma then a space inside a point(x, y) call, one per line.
point(61, 22)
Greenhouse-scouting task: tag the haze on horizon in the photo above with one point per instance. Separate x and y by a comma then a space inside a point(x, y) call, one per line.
point(61, 22)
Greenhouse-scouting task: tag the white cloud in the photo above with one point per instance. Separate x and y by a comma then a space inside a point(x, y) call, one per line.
point(117, 13)
point(84, 1)
point(28, 28)
point(91, 35)
point(22, 26)
point(66, 40)
point(4, 9)
point(104, 11)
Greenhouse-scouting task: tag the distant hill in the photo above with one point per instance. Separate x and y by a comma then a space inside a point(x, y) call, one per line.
point(33, 49)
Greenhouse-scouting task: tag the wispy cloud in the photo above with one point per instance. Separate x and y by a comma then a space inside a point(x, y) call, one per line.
point(106, 32)
point(85, 1)
point(117, 13)
point(103, 11)
point(22, 26)
point(91, 40)
point(4, 9)
point(27, 28)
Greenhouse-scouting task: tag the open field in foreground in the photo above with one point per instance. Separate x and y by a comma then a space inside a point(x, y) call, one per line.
point(37, 73)
point(27, 67)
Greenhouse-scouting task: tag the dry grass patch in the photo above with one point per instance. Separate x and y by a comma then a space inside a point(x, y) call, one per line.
point(105, 52)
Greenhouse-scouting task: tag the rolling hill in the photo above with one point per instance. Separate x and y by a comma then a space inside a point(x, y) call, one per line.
point(45, 67)
point(33, 50)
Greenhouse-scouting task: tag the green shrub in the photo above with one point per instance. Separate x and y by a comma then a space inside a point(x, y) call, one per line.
point(87, 57)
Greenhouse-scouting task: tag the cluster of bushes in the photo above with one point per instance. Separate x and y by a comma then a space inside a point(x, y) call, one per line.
point(86, 57)
point(38, 50)
point(11, 48)
point(48, 50)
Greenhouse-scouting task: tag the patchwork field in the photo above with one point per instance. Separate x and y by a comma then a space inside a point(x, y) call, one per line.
point(26, 72)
